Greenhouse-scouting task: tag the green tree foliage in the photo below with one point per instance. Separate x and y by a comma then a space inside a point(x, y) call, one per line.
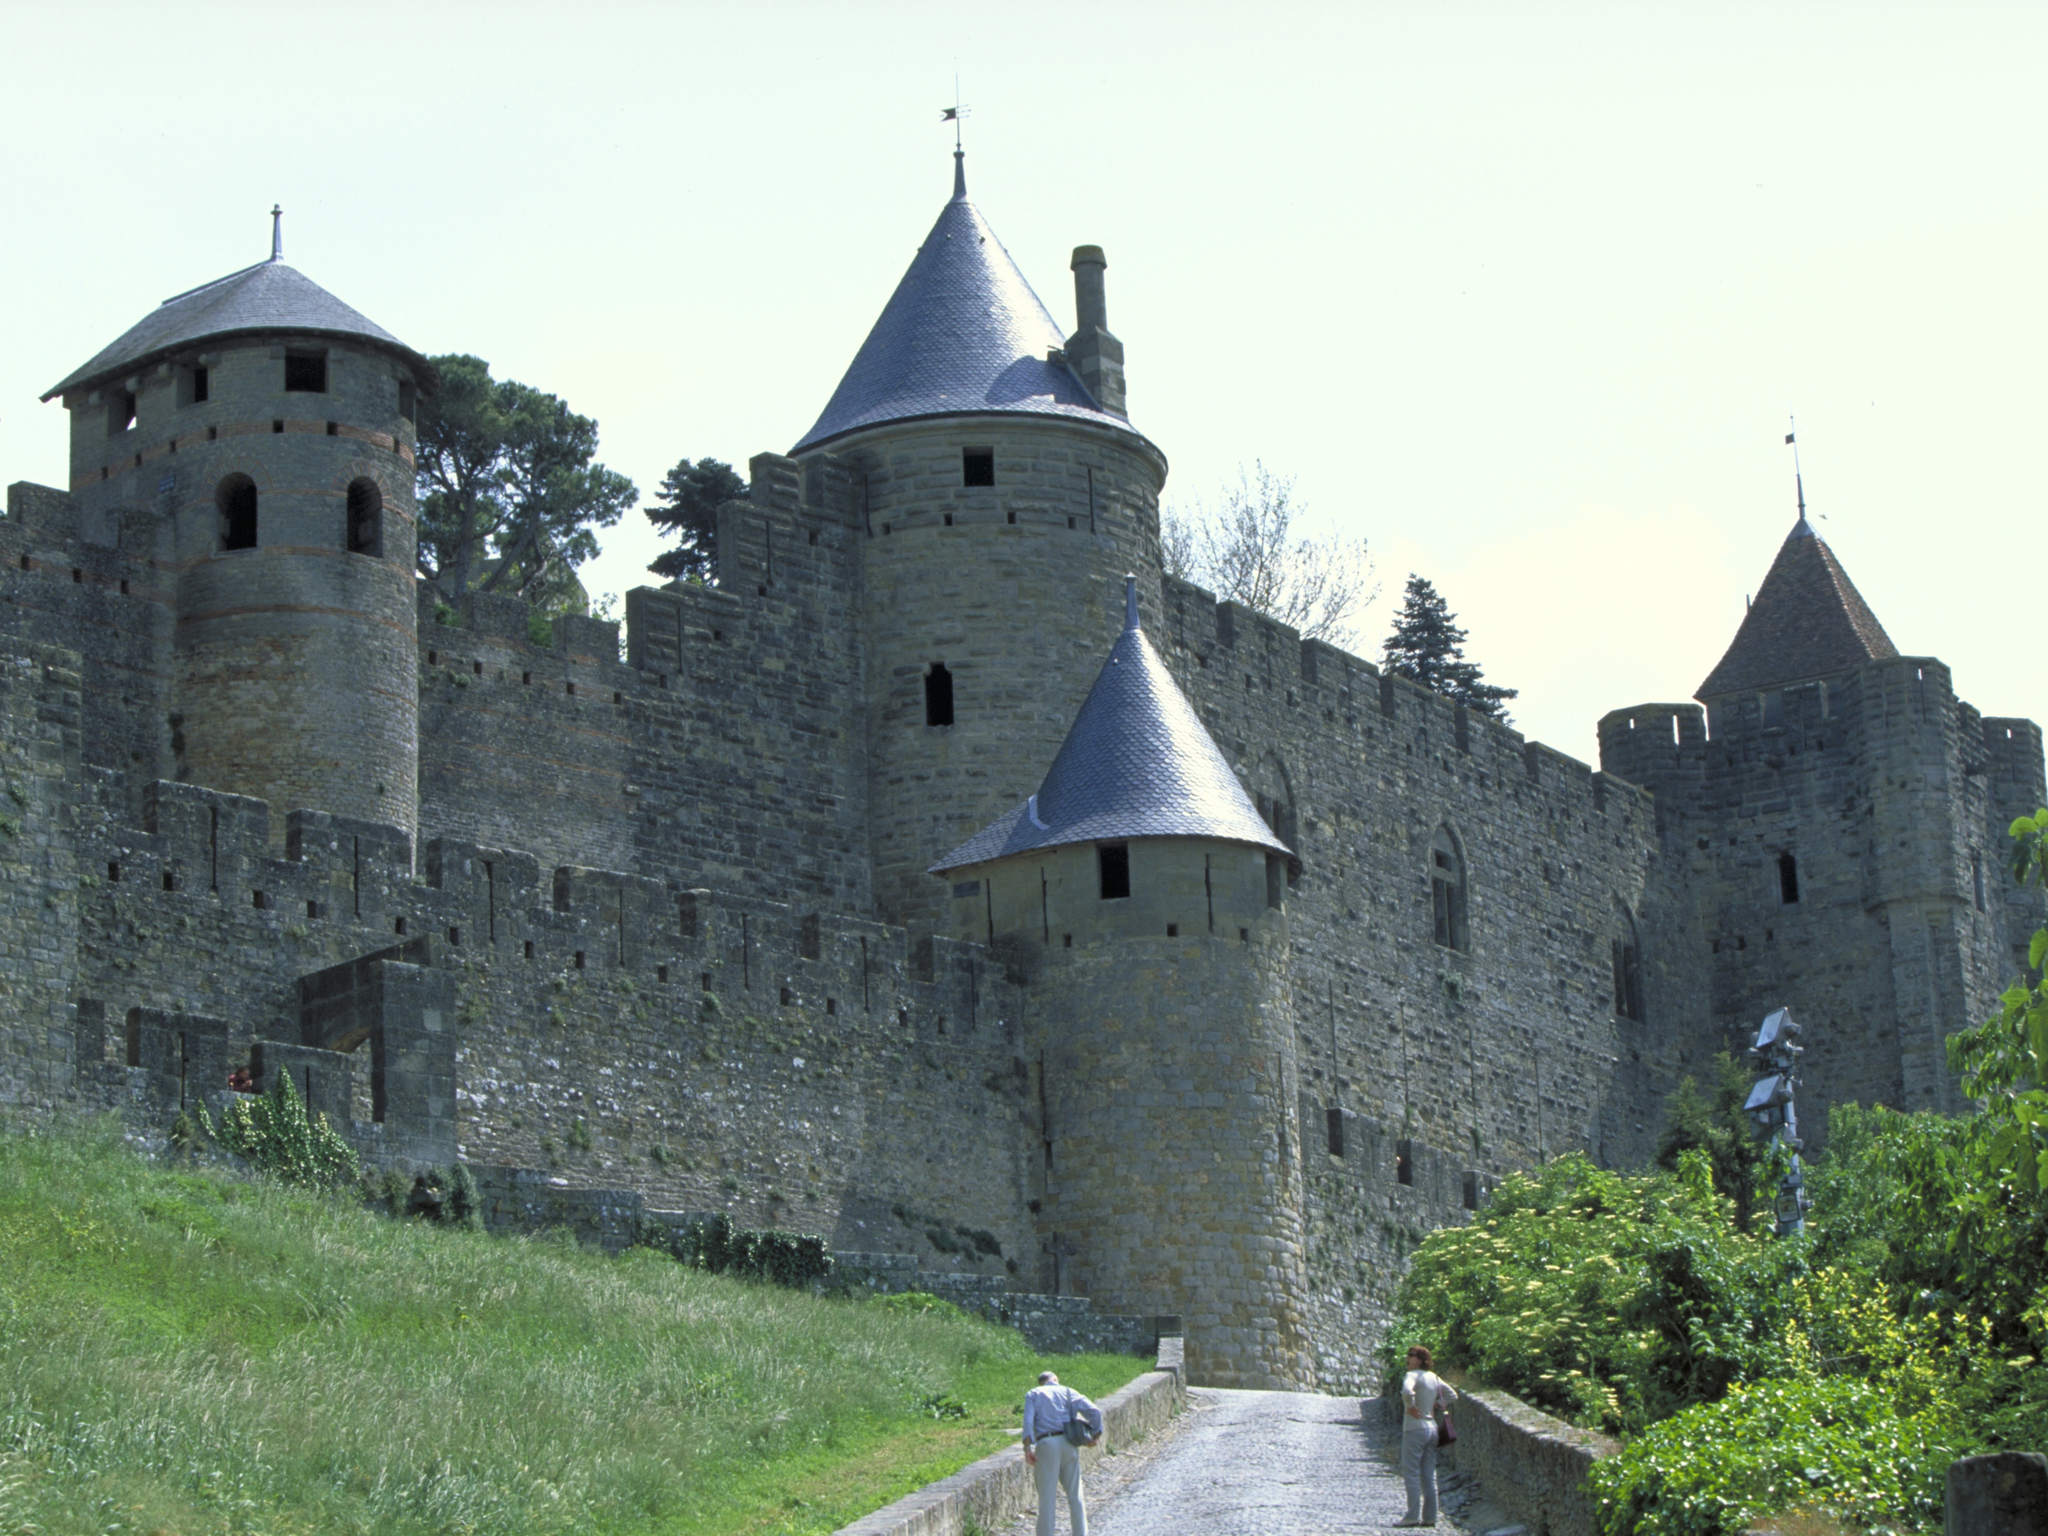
point(274, 1133)
point(509, 498)
point(687, 506)
point(1610, 1299)
point(2004, 1063)
point(1428, 647)
point(1246, 550)
point(1711, 1120)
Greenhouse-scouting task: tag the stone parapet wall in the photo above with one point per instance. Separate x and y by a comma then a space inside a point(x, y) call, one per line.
point(1527, 1461)
point(989, 1494)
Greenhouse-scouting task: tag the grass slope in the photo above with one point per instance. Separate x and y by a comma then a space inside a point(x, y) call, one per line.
point(188, 1352)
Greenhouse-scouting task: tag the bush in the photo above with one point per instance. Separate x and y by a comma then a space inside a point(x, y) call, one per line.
point(1609, 1299)
point(713, 1243)
point(1839, 1446)
point(272, 1131)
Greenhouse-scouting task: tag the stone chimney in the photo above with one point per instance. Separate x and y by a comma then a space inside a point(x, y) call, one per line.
point(1096, 357)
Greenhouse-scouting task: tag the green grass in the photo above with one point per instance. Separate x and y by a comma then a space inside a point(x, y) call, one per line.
point(182, 1351)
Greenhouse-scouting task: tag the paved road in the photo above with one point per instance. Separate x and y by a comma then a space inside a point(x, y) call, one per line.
point(1262, 1464)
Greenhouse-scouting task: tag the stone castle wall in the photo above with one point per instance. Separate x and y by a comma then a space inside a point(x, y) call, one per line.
point(724, 750)
point(1427, 1072)
point(633, 945)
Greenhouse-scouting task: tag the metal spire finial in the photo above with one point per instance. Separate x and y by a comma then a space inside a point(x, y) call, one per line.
point(277, 232)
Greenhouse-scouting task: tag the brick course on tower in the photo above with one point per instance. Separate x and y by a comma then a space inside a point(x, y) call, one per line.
point(664, 933)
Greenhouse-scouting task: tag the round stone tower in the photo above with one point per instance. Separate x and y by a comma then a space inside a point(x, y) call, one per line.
point(1003, 495)
point(268, 429)
point(1143, 894)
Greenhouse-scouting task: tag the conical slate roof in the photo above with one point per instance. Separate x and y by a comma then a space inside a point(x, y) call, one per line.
point(269, 296)
point(963, 334)
point(1808, 621)
point(1137, 763)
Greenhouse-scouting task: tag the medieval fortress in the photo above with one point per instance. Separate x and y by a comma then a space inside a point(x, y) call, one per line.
point(918, 884)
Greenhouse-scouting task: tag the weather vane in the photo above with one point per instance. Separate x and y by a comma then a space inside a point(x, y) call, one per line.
point(1798, 480)
point(954, 114)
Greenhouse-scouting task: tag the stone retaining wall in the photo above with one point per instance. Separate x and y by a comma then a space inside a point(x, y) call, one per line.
point(994, 1489)
point(1529, 1462)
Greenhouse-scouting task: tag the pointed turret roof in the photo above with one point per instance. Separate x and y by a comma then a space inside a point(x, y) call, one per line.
point(1808, 621)
point(1138, 762)
point(268, 297)
point(963, 334)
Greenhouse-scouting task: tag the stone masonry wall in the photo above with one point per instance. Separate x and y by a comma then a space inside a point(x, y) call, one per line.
point(725, 750)
point(39, 749)
point(709, 1051)
point(1890, 799)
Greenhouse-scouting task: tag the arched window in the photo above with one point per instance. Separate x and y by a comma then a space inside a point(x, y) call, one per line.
point(1628, 967)
point(365, 517)
point(1447, 890)
point(235, 497)
point(938, 695)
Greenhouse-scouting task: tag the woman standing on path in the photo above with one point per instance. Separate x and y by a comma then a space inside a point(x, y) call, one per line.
point(1053, 1453)
point(1423, 1393)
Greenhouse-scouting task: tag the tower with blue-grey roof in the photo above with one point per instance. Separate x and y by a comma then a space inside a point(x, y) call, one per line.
point(1000, 494)
point(1145, 896)
point(257, 435)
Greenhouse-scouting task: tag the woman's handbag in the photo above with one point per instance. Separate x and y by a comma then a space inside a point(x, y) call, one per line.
point(1446, 1431)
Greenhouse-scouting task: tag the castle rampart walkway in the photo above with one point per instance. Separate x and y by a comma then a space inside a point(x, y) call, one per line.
point(1261, 1464)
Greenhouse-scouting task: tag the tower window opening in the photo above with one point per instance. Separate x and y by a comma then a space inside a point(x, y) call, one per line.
point(365, 517)
point(305, 373)
point(1276, 882)
point(235, 498)
point(938, 695)
point(1628, 970)
point(1404, 1162)
point(1447, 891)
point(194, 385)
point(120, 411)
point(1977, 878)
point(408, 400)
point(1788, 879)
point(1113, 861)
point(1336, 1131)
point(977, 466)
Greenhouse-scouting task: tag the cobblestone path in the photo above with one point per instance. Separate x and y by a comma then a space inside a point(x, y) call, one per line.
point(1262, 1464)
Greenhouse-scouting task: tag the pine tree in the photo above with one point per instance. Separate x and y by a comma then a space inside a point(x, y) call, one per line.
point(688, 504)
point(1428, 647)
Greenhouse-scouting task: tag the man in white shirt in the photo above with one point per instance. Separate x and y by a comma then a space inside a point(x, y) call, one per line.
point(1048, 1409)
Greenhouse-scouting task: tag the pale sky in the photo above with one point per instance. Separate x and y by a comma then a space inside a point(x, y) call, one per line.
point(1524, 294)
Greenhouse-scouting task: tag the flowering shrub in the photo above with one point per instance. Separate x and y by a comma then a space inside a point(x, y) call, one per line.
point(1839, 1446)
point(273, 1132)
